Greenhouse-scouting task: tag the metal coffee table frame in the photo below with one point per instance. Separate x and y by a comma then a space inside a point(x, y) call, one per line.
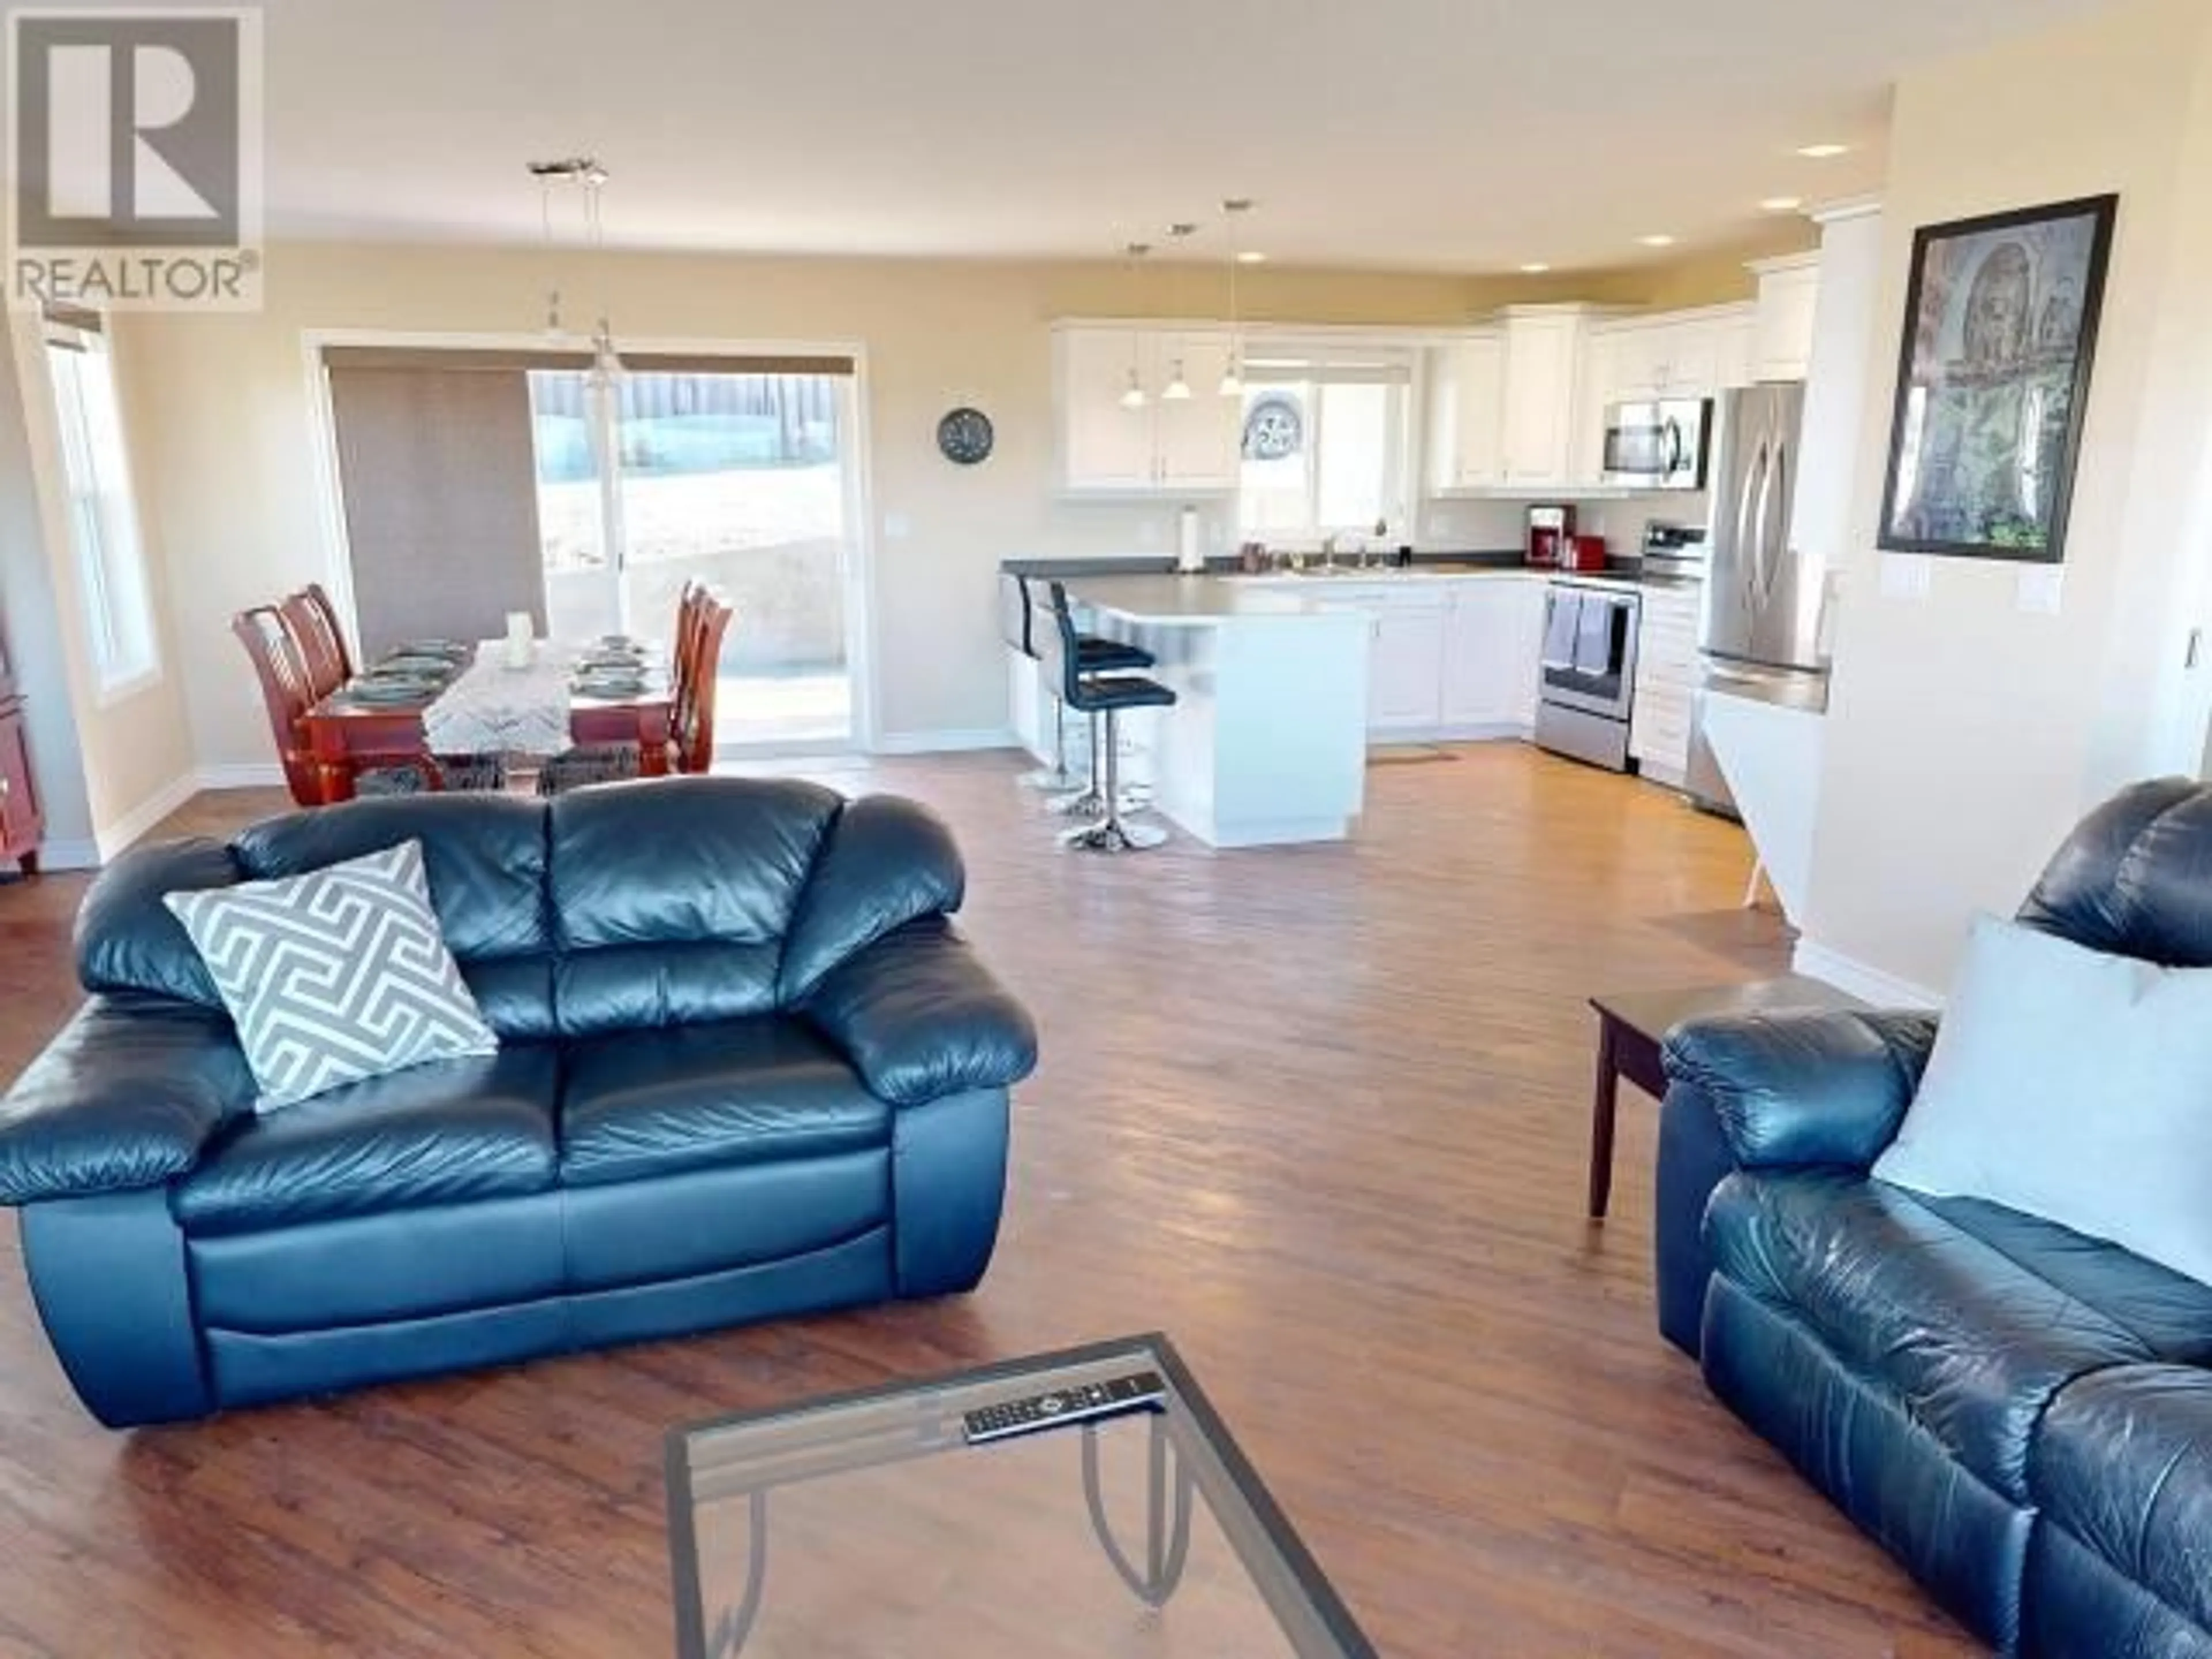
point(1190, 1453)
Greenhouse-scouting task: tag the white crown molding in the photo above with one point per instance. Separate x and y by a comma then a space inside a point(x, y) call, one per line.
point(1848, 207)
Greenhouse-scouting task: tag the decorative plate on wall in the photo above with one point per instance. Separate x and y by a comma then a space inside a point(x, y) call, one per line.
point(965, 436)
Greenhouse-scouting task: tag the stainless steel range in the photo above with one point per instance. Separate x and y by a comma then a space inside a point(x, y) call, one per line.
point(1587, 688)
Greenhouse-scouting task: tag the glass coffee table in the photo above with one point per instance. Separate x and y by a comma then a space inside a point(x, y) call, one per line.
point(868, 1524)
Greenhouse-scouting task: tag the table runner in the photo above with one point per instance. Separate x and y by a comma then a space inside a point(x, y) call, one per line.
point(494, 709)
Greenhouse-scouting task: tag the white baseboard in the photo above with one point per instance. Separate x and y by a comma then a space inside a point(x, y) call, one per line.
point(69, 855)
point(1867, 983)
point(1484, 731)
point(945, 743)
point(113, 838)
point(250, 775)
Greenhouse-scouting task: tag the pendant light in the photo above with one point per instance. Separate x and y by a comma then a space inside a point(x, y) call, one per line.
point(1177, 390)
point(591, 179)
point(606, 364)
point(1133, 397)
point(1232, 378)
point(555, 333)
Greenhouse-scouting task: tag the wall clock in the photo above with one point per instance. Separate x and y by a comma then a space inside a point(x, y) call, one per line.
point(963, 436)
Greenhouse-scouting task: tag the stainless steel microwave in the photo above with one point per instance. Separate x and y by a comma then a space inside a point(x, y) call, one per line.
point(1660, 444)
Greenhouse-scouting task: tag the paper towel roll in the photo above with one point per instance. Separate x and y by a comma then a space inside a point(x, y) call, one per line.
point(1190, 556)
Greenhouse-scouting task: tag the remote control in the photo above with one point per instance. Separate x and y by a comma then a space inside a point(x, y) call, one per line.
point(1138, 1391)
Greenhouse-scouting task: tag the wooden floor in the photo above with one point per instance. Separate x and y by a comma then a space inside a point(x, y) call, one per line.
point(1319, 1114)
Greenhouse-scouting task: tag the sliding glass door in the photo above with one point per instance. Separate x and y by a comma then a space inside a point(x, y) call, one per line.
point(740, 479)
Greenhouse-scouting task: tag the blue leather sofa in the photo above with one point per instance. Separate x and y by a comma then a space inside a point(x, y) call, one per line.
point(2020, 1414)
point(747, 1069)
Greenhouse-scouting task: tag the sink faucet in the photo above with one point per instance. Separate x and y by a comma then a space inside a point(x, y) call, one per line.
point(1329, 552)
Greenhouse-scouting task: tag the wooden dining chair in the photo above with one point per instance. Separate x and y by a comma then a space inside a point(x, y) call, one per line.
point(327, 609)
point(284, 695)
point(270, 637)
point(322, 652)
point(698, 674)
point(618, 763)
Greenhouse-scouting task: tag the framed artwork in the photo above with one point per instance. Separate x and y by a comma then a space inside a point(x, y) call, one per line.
point(2000, 330)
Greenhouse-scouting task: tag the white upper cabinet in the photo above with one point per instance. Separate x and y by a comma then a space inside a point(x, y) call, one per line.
point(1789, 296)
point(1664, 357)
point(1635, 356)
point(1199, 439)
point(1103, 446)
point(1691, 367)
point(1735, 345)
point(1543, 380)
point(1165, 447)
point(1467, 413)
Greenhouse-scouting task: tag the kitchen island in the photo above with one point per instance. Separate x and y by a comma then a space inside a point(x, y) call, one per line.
point(1266, 745)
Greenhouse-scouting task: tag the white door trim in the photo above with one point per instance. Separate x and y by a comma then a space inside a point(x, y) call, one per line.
point(861, 654)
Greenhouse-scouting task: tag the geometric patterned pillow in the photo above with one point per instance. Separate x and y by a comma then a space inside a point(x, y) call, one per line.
point(335, 975)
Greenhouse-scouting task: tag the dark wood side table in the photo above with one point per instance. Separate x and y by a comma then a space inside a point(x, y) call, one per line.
point(1631, 1025)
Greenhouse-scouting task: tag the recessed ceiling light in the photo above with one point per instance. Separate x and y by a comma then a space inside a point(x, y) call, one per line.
point(1535, 268)
point(1251, 257)
point(1782, 204)
point(1658, 239)
point(1824, 152)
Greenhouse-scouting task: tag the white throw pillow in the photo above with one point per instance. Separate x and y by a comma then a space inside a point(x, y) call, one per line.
point(336, 975)
point(2075, 1086)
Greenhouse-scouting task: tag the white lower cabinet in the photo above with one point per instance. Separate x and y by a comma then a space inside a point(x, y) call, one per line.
point(1405, 670)
point(1451, 659)
point(1405, 657)
point(1666, 683)
point(1492, 644)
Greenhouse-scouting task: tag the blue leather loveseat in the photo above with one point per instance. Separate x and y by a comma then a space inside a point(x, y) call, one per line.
point(2022, 1415)
point(747, 1069)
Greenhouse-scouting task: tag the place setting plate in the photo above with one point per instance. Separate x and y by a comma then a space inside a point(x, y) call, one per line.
point(394, 690)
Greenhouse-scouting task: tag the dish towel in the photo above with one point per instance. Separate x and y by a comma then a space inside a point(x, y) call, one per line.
point(1594, 634)
point(1561, 619)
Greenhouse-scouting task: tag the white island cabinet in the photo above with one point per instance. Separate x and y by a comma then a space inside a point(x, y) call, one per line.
point(1267, 743)
point(1283, 682)
point(1453, 653)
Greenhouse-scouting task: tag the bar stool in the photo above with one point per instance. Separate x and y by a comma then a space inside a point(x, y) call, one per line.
point(1017, 627)
point(1102, 696)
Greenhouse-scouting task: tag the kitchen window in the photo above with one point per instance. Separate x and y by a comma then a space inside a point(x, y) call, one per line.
point(1325, 450)
point(112, 581)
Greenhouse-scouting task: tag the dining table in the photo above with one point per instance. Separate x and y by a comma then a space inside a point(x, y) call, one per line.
point(491, 705)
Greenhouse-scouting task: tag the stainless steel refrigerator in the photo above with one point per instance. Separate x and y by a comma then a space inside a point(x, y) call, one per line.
point(1760, 635)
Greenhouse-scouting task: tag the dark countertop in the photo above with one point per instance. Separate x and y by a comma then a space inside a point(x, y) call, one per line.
point(1226, 565)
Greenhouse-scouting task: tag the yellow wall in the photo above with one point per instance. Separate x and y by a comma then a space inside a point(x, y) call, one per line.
point(1965, 736)
point(129, 758)
point(224, 425)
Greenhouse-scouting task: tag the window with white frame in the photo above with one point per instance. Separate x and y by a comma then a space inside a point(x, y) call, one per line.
point(110, 559)
point(1325, 443)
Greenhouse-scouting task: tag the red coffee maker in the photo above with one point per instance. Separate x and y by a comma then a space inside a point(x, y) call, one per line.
point(1551, 528)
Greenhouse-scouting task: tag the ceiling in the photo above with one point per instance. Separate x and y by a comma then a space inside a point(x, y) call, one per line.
point(1464, 136)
